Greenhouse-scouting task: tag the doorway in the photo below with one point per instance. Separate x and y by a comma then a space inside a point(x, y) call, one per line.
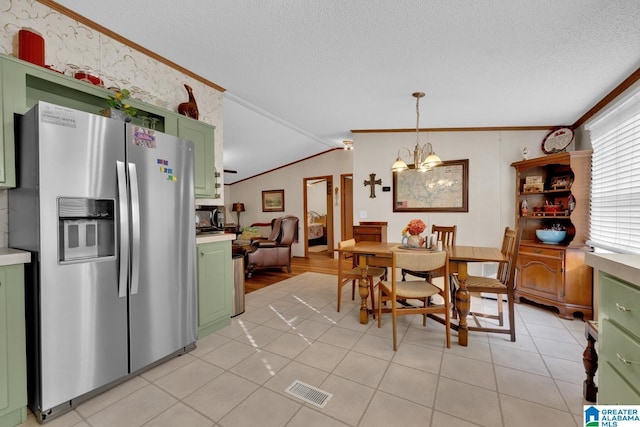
point(318, 209)
point(346, 206)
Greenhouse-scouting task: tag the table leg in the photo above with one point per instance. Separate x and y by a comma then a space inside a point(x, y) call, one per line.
point(463, 304)
point(363, 290)
point(590, 362)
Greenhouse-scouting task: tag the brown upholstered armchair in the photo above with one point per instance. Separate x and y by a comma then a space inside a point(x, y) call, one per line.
point(274, 251)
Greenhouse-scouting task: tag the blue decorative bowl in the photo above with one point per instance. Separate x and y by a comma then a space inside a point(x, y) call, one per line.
point(551, 236)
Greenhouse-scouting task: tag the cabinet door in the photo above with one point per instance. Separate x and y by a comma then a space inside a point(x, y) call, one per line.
point(13, 376)
point(541, 276)
point(11, 100)
point(214, 285)
point(201, 134)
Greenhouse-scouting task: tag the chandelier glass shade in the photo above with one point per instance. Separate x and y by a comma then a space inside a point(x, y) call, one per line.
point(424, 158)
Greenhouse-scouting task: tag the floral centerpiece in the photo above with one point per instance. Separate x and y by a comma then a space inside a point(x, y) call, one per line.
point(415, 227)
point(117, 102)
point(411, 233)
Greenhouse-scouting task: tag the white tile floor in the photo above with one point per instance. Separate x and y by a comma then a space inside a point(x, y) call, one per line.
point(290, 330)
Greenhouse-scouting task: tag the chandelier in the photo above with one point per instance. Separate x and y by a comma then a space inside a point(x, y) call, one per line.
point(423, 160)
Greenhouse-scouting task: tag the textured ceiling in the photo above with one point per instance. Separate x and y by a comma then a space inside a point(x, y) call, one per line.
point(300, 74)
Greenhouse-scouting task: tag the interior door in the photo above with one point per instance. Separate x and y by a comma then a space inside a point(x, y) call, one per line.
point(346, 209)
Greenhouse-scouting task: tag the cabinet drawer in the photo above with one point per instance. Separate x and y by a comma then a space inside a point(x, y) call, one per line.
point(621, 350)
point(546, 252)
point(621, 302)
point(613, 389)
point(367, 230)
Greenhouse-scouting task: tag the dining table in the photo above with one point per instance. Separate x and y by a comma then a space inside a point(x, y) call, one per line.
point(380, 254)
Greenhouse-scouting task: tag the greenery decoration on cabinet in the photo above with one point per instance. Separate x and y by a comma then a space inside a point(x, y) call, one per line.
point(215, 283)
point(23, 84)
point(552, 192)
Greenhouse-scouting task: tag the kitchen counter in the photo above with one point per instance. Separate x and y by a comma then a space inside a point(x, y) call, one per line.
point(214, 237)
point(623, 266)
point(9, 256)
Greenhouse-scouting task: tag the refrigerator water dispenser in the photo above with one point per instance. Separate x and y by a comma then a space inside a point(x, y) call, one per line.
point(86, 229)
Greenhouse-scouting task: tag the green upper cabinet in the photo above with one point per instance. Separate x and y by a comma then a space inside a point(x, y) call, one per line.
point(22, 85)
point(201, 134)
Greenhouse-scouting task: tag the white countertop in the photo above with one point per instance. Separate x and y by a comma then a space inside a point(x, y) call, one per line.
point(211, 238)
point(9, 256)
point(623, 266)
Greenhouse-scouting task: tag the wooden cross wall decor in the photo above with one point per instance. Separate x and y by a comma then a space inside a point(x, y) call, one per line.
point(372, 182)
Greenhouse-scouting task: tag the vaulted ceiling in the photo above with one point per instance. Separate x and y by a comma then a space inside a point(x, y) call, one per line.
point(301, 74)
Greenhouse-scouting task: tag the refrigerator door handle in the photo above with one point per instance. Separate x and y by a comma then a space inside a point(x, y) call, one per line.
point(124, 229)
point(135, 229)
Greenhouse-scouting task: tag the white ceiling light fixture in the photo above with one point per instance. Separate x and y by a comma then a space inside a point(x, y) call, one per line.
point(421, 160)
point(347, 144)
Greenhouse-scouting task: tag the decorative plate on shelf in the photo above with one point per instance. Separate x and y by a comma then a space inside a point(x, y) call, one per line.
point(557, 140)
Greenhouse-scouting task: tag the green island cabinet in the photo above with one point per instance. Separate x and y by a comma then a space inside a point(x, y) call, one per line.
point(13, 359)
point(214, 286)
point(23, 84)
point(618, 328)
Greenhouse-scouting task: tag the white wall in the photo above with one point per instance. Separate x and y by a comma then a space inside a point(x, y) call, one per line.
point(290, 179)
point(317, 197)
point(491, 179)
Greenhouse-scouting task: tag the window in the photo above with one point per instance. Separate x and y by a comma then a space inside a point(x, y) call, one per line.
point(615, 179)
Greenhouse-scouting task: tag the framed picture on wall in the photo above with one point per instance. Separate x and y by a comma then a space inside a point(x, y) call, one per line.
point(272, 200)
point(445, 188)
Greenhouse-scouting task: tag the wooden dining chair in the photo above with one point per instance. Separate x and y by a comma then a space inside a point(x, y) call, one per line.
point(348, 271)
point(503, 284)
point(444, 234)
point(420, 290)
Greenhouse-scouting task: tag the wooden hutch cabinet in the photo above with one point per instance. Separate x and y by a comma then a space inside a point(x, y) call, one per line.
point(555, 274)
point(370, 231)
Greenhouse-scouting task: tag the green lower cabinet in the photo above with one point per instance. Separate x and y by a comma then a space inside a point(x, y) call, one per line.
point(13, 359)
point(215, 287)
point(618, 341)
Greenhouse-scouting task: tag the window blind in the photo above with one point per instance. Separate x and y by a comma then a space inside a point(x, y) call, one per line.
point(615, 178)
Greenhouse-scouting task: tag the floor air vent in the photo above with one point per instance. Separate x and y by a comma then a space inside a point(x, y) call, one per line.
point(309, 394)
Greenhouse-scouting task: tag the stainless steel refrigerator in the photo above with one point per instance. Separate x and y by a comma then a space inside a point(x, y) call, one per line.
point(106, 209)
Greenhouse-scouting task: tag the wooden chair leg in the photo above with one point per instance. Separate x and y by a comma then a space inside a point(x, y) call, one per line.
point(452, 288)
point(339, 295)
point(373, 298)
point(425, 303)
point(380, 306)
point(512, 317)
point(500, 313)
point(395, 325)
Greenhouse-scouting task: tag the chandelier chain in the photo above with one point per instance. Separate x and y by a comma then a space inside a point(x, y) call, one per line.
point(417, 120)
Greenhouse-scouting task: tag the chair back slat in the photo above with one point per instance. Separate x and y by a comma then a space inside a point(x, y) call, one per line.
point(510, 244)
point(445, 234)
